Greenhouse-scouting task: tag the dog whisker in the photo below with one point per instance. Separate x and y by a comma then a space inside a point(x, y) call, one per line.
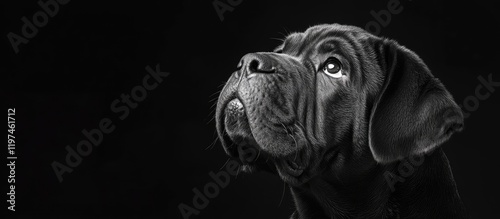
point(279, 39)
point(225, 164)
point(221, 85)
point(283, 194)
point(258, 155)
point(212, 119)
point(286, 32)
point(216, 92)
point(212, 144)
point(211, 114)
point(214, 99)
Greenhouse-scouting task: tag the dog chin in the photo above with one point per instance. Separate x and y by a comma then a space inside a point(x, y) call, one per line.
point(254, 159)
point(290, 171)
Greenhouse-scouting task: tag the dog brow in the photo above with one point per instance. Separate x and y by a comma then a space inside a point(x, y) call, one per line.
point(328, 45)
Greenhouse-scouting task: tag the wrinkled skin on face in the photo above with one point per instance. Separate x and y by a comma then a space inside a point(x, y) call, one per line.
point(331, 110)
point(283, 94)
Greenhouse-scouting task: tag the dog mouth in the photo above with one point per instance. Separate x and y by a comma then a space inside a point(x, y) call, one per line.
point(238, 140)
point(291, 168)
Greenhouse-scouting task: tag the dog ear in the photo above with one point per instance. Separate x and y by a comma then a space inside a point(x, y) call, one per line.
point(413, 113)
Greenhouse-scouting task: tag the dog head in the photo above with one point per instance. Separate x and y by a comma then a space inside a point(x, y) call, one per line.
point(331, 97)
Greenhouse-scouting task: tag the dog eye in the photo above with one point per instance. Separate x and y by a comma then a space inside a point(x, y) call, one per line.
point(333, 68)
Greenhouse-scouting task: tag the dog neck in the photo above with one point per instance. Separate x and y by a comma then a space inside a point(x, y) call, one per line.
point(328, 197)
point(370, 196)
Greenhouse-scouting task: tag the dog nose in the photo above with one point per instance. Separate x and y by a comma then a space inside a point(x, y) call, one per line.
point(253, 63)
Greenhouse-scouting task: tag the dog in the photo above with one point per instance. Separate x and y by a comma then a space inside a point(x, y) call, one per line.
point(330, 111)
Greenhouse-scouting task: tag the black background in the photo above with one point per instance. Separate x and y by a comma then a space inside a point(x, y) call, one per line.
point(65, 78)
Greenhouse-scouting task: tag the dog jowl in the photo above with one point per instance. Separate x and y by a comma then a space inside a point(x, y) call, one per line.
point(333, 108)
